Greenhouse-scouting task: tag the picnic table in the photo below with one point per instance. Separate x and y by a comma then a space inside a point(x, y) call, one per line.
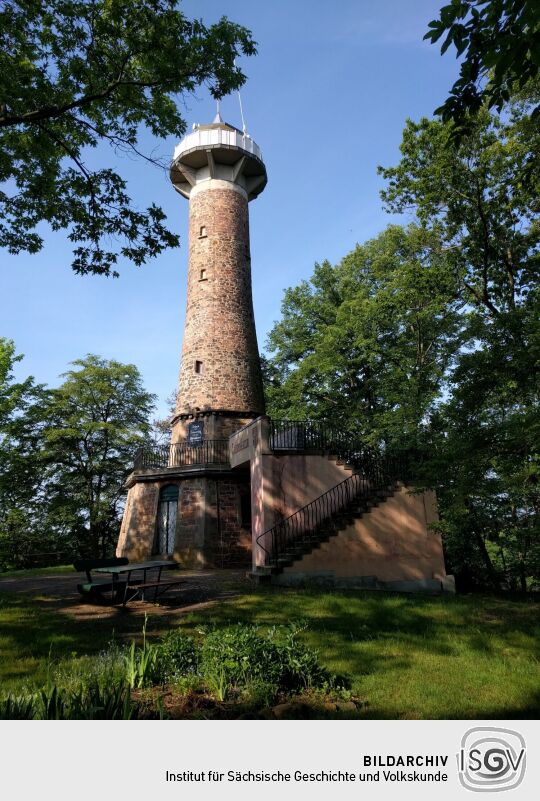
point(135, 584)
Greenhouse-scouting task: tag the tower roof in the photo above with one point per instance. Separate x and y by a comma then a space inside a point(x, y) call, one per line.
point(219, 150)
point(218, 122)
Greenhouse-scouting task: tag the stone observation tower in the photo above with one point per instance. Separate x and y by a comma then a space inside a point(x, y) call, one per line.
point(294, 500)
point(184, 499)
point(219, 169)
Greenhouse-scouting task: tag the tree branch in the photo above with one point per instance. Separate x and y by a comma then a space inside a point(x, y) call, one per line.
point(52, 112)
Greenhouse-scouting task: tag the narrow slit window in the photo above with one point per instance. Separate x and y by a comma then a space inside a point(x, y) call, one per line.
point(198, 367)
point(202, 231)
point(203, 275)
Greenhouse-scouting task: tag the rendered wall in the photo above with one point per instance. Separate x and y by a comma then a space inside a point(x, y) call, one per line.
point(280, 483)
point(293, 480)
point(283, 484)
point(392, 543)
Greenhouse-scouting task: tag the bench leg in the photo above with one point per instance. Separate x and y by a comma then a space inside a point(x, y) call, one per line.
point(157, 587)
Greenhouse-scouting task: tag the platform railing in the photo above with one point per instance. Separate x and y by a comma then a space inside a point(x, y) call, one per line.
point(183, 454)
point(307, 435)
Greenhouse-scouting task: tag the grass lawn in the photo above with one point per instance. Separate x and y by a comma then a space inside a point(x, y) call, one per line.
point(407, 656)
point(36, 572)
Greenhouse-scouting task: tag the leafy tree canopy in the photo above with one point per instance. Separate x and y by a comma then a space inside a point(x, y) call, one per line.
point(21, 474)
point(76, 73)
point(94, 422)
point(481, 193)
point(475, 193)
point(366, 343)
point(429, 336)
point(500, 41)
point(64, 456)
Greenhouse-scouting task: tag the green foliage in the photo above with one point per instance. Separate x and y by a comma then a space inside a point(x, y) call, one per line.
point(475, 196)
point(94, 422)
point(103, 670)
point(408, 656)
point(428, 337)
point(142, 663)
point(368, 341)
point(64, 455)
point(241, 656)
point(235, 662)
point(92, 702)
point(17, 707)
point(481, 194)
point(75, 74)
point(179, 657)
point(21, 466)
point(500, 44)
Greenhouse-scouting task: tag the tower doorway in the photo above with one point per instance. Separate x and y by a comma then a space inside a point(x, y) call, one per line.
point(166, 520)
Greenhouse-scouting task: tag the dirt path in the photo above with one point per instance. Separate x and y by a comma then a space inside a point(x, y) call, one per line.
point(199, 588)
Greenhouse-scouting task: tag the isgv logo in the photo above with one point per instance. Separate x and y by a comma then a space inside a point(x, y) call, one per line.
point(491, 759)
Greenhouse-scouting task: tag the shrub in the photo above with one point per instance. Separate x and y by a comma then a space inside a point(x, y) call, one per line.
point(240, 661)
point(241, 656)
point(178, 658)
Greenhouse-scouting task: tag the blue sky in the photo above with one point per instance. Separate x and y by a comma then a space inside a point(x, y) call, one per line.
point(326, 99)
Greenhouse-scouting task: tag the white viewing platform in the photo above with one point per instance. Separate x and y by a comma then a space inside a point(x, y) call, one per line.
point(218, 151)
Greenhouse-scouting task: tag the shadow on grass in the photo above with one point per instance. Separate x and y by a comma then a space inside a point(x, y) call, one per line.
point(440, 625)
point(409, 655)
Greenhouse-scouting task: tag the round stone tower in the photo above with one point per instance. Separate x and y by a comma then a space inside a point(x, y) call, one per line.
point(219, 169)
point(185, 500)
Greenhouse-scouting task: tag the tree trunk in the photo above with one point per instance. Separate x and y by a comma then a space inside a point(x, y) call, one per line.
point(492, 573)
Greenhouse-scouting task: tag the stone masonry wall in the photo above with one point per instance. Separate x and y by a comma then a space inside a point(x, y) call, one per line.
point(138, 528)
point(230, 543)
point(190, 523)
point(220, 366)
point(209, 527)
point(216, 426)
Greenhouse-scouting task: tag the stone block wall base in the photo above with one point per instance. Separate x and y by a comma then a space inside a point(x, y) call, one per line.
point(327, 580)
point(212, 523)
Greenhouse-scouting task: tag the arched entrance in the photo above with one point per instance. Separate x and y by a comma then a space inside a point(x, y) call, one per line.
point(166, 520)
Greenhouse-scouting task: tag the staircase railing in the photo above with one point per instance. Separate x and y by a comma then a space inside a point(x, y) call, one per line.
point(375, 472)
point(183, 454)
point(307, 435)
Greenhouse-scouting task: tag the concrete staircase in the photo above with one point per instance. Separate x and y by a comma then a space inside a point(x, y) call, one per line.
point(361, 503)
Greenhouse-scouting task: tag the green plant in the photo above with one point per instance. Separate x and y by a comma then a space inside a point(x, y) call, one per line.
point(102, 703)
point(241, 656)
point(17, 707)
point(55, 703)
point(142, 663)
point(258, 694)
point(104, 670)
point(179, 656)
point(300, 664)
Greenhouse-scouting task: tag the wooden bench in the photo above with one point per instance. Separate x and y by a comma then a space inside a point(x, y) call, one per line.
point(134, 588)
point(92, 588)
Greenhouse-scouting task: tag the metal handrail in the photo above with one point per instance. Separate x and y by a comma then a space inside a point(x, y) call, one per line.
point(375, 472)
point(183, 454)
point(302, 435)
